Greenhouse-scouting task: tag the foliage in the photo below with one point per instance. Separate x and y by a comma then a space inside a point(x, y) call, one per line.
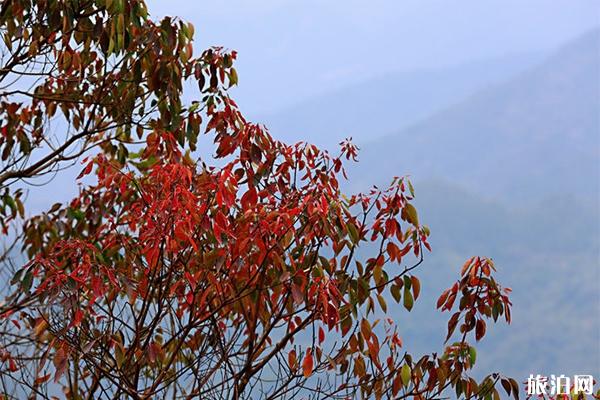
point(181, 274)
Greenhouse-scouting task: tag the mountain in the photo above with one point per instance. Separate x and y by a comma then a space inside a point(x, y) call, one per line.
point(535, 134)
point(546, 252)
point(513, 172)
point(385, 104)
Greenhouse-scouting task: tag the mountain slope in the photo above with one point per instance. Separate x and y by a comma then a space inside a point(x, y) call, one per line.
point(535, 134)
point(546, 252)
point(523, 163)
point(382, 105)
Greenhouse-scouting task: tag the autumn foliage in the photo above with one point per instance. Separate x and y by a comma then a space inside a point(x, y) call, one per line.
point(189, 270)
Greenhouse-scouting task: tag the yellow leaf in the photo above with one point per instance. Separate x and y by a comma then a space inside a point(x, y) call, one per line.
point(411, 213)
point(405, 374)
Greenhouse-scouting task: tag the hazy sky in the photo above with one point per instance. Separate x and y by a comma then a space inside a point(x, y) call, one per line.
point(290, 50)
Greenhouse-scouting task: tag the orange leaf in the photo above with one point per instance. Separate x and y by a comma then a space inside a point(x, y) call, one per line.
point(292, 361)
point(307, 364)
point(416, 286)
point(442, 298)
point(466, 265)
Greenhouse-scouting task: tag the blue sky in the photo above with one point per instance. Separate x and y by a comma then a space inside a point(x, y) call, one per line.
point(292, 50)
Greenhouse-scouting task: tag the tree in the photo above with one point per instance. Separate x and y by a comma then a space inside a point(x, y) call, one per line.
point(181, 274)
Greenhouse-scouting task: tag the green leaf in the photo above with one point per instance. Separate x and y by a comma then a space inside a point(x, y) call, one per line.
point(378, 274)
point(411, 214)
point(17, 277)
point(472, 355)
point(408, 299)
point(353, 232)
point(9, 201)
point(233, 77)
point(458, 389)
point(111, 46)
point(382, 303)
point(75, 214)
point(27, 281)
point(395, 290)
point(405, 375)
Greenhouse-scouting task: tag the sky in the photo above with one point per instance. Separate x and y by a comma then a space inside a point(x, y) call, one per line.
point(292, 50)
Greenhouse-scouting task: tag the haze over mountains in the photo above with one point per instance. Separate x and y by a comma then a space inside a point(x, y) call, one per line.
point(380, 106)
point(537, 133)
point(294, 50)
point(529, 121)
point(506, 163)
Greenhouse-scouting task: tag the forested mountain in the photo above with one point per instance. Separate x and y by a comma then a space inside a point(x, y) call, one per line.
point(513, 172)
point(385, 104)
point(505, 160)
point(536, 134)
point(547, 252)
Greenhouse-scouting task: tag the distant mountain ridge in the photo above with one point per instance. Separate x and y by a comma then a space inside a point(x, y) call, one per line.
point(382, 105)
point(518, 175)
point(538, 133)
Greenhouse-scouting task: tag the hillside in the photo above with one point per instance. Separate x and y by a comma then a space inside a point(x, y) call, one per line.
point(515, 171)
point(538, 133)
point(546, 252)
point(382, 105)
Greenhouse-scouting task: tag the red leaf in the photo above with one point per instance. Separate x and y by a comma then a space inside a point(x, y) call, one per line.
point(60, 363)
point(396, 384)
point(452, 324)
point(86, 170)
point(442, 298)
point(427, 245)
point(297, 294)
point(307, 364)
point(480, 329)
point(77, 317)
point(41, 379)
point(321, 335)
point(189, 298)
point(249, 199)
point(12, 365)
point(466, 266)
point(96, 286)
